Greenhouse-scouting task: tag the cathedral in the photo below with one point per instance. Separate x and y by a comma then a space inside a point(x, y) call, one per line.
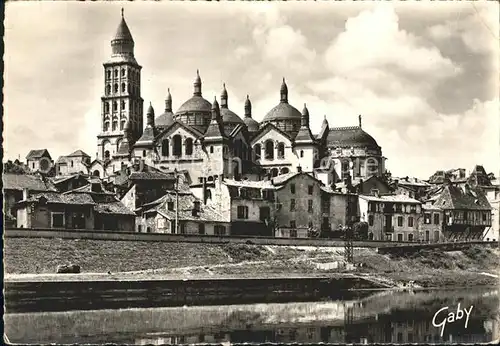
point(208, 140)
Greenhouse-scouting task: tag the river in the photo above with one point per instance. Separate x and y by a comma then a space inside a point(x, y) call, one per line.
point(382, 317)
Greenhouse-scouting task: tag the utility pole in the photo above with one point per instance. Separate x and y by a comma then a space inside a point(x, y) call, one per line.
point(176, 202)
point(348, 234)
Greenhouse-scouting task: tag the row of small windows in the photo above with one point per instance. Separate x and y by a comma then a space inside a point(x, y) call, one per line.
point(114, 125)
point(132, 74)
point(269, 150)
point(177, 146)
point(274, 172)
point(124, 88)
point(400, 221)
point(123, 106)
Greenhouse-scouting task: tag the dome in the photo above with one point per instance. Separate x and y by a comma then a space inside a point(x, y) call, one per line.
point(164, 120)
point(281, 112)
point(252, 124)
point(228, 116)
point(350, 137)
point(195, 104)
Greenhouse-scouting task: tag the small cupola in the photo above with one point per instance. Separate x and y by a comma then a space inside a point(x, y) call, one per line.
point(284, 92)
point(197, 84)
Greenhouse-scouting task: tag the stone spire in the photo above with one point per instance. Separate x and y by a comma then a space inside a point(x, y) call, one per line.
point(223, 97)
point(304, 136)
point(284, 92)
point(248, 107)
point(123, 43)
point(150, 116)
point(215, 130)
point(197, 84)
point(168, 102)
point(304, 119)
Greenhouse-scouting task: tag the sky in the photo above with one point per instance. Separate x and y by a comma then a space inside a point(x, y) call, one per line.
point(423, 76)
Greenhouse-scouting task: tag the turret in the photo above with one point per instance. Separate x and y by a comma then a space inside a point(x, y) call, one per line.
point(197, 84)
point(168, 102)
point(223, 97)
point(284, 92)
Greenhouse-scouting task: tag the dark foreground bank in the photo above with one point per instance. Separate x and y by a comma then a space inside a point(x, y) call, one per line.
point(38, 296)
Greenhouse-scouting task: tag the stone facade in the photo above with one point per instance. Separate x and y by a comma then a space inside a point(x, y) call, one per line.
point(431, 224)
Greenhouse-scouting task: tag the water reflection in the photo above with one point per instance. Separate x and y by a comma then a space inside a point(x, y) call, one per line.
point(387, 317)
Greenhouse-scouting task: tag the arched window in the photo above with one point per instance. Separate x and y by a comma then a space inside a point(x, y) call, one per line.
point(210, 178)
point(281, 150)
point(177, 146)
point(122, 124)
point(123, 72)
point(106, 154)
point(189, 146)
point(115, 125)
point(128, 88)
point(108, 89)
point(274, 172)
point(96, 173)
point(106, 107)
point(106, 126)
point(165, 147)
point(144, 153)
point(269, 151)
point(302, 153)
point(116, 73)
point(123, 87)
point(257, 150)
point(122, 105)
point(108, 74)
point(115, 88)
point(285, 170)
point(115, 106)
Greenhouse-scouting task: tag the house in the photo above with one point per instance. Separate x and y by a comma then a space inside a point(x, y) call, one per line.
point(430, 225)
point(88, 208)
point(338, 211)
point(411, 187)
point(76, 162)
point(13, 187)
point(390, 217)
point(70, 182)
point(467, 212)
point(39, 160)
point(247, 205)
point(193, 217)
point(138, 187)
point(299, 205)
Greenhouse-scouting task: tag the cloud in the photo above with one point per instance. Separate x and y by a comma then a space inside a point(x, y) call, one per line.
point(478, 31)
point(373, 39)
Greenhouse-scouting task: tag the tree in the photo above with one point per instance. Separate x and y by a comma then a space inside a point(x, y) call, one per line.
point(361, 230)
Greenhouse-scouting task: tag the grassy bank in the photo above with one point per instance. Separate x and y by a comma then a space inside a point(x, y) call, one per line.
point(427, 268)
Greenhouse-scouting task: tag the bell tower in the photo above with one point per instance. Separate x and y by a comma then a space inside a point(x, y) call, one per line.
point(121, 101)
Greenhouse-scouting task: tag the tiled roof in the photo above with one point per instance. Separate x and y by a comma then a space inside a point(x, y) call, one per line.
point(150, 176)
point(186, 204)
point(78, 153)
point(390, 198)
point(455, 197)
point(304, 135)
point(88, 189)
point(252, 124)
point(59, 198)
point(147, 138)
point(165, 120)
point(116, 207)
point(283, 178)
point(37, 153)
point(123, 32)
point(25, 181)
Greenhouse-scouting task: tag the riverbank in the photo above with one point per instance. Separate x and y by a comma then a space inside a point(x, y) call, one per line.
point(37, 259)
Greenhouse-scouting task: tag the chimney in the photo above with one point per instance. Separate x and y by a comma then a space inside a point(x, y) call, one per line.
point(299, 169)
point(204, 190)
point(26, 194)
point(196, 208)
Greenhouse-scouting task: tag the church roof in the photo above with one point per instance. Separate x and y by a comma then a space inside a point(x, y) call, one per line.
point(304, 135)
point(195, 104)
point(282, 111)
point(123, 32)
point(252, 124)
point(147, 138)
point(165, 119)
point(228, 116)
point(352, 136)
point(37, 154)
point(78, 153)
